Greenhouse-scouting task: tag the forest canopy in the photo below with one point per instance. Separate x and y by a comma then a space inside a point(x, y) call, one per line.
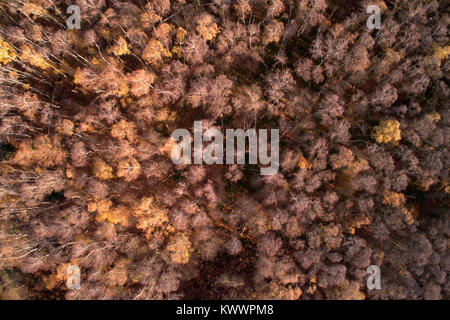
point(86, 176)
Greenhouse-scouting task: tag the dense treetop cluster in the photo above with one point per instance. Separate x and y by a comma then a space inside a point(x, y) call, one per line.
point(86, 176)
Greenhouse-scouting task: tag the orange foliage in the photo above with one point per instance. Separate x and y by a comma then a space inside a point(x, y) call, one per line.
point(102, 170)
point(44, 151)
point(124, 130)
point(179, 248)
